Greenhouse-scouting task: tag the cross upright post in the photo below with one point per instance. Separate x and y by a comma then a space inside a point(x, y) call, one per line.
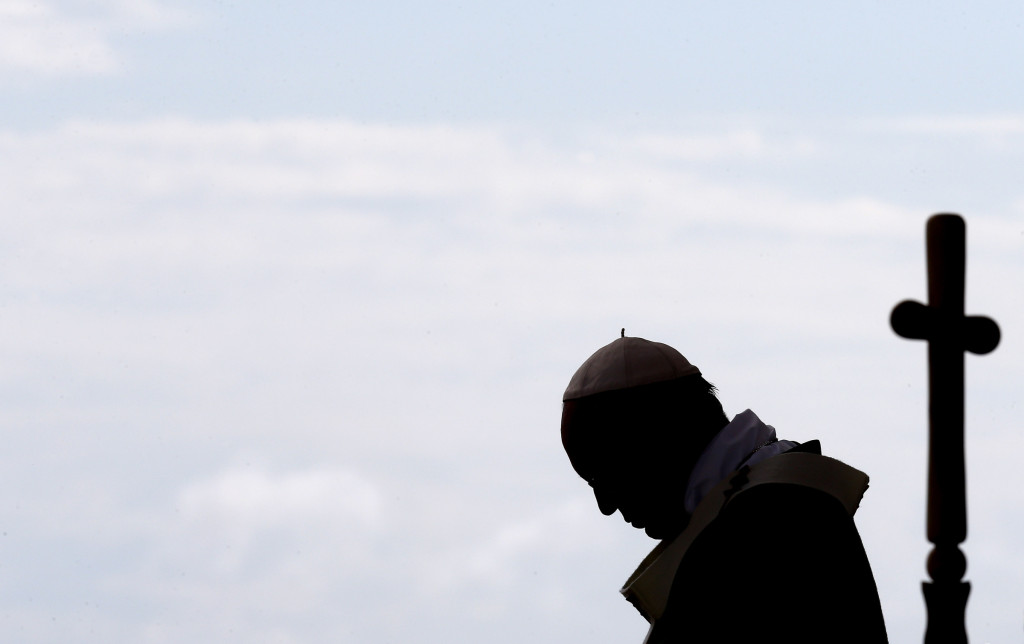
point(949, 333)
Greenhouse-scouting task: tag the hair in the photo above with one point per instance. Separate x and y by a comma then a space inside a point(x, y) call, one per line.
point(681, 415)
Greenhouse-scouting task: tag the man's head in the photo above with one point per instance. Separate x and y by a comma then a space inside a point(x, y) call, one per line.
point(635, 418)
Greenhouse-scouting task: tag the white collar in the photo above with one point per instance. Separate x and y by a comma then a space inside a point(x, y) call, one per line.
point(741, 441)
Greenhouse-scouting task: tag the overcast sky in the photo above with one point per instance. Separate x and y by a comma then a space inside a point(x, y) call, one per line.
point(289, 294)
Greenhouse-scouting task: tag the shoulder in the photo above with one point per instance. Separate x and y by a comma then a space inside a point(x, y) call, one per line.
point(810, 447)
point(795, 544)
point(780, 517)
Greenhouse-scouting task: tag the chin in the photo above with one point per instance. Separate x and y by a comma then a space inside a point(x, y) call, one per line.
point(655, 532)
point(665, 532)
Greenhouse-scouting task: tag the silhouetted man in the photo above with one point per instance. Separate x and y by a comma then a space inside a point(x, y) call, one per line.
point(757, 536)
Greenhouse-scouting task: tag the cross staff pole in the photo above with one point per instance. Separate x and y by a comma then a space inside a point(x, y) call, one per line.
point(949, 333)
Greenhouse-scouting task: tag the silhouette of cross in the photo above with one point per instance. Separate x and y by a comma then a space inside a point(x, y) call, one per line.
point(949, 333)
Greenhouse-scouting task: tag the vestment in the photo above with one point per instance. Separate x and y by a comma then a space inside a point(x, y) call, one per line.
point(780, 561)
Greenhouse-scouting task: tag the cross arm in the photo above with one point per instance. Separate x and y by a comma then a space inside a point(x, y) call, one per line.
point(915, 321)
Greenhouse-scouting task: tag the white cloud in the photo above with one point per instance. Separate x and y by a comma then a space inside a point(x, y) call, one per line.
point(254, 499)
point(35, 37)
point(741, 144)
point(246, 523)
point(984, 125)
point(493, 173)
point(385, 316)
point(499, 559)
point(69, 38)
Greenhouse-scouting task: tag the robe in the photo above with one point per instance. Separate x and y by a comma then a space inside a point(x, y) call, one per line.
point(779, 563)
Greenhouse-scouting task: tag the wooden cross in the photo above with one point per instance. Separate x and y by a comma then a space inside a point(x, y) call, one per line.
point(949, 333)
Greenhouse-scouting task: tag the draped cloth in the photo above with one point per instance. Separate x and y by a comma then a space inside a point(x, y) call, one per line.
point(744, 441)
point(771, 554)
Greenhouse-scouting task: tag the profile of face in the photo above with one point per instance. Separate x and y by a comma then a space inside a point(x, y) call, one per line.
point(643, 494)
point(633, 469)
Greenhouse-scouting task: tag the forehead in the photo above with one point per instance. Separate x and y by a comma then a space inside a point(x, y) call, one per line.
point(598, 441)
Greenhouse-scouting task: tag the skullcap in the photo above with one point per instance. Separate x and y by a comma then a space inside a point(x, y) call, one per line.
point(627, 363)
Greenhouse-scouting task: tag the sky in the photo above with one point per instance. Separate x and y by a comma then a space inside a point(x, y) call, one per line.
point(289, 294)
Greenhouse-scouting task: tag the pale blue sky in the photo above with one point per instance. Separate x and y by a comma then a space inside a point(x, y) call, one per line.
point(540, 62)
point(289, 295)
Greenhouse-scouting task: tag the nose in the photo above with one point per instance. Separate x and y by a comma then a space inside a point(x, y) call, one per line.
point(605, 501)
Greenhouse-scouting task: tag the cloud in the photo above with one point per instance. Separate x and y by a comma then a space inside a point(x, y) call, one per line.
point(739, 144)
point(492, 173)
point(248, 524)
point(973, 125)
point(497, 560)
point(252, 552)
point(252, 500)
point(384, 317)
point(73, 39)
